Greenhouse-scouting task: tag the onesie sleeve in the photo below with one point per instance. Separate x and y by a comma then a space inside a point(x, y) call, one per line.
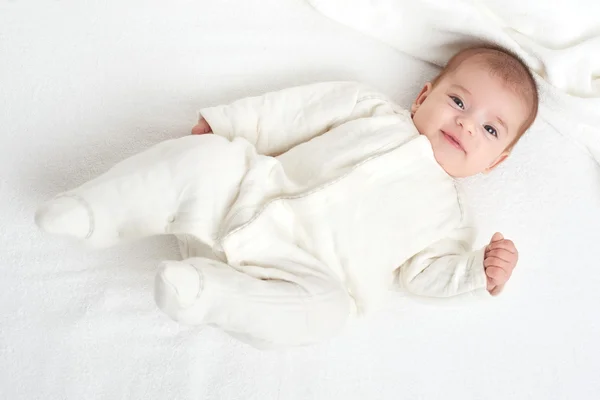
point(447, 268)
point(277, 121)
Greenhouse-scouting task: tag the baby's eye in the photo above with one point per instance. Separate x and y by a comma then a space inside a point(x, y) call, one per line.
point(491, 130)
point(458, 101)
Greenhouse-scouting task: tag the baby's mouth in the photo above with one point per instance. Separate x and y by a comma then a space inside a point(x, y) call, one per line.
point(453, 141)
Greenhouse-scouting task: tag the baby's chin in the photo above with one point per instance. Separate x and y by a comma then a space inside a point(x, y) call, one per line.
point(444, 160)
point(452, 167)
point(450, 159)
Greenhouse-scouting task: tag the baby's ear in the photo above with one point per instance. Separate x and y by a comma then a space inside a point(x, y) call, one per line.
point(501, 158)
point(421, 97)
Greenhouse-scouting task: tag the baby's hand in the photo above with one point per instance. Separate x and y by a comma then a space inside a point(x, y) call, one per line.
point(201, 128)
point(499, 260)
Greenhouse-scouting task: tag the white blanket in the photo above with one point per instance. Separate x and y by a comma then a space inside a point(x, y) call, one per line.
point(86, 84)
point(559, 40)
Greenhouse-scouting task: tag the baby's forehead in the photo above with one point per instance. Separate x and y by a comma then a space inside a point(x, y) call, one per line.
point(480, 70)
point(501, 69)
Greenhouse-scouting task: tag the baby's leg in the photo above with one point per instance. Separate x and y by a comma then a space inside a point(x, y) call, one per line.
point(306, 309)
point(142, 195)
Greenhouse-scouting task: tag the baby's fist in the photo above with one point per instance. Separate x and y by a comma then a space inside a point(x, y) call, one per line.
point(499, 261)
point(201, 128)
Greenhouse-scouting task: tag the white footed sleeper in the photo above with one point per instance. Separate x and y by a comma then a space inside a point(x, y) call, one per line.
point(314, 201)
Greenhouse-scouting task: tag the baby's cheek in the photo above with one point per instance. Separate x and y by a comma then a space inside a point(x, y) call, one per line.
point(422, 122)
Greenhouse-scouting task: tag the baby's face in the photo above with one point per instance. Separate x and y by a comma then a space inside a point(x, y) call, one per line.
point(470, 117)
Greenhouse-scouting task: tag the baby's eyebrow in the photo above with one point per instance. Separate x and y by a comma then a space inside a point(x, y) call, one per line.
point(456, 85)
point(502, 122)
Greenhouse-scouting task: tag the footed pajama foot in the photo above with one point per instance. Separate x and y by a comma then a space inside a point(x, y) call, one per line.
point(176, 289)
point(64, 216)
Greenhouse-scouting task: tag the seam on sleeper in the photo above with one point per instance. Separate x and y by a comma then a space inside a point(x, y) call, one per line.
point(305, 194)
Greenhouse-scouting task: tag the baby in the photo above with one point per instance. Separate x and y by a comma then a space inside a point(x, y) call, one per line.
point(316, 200)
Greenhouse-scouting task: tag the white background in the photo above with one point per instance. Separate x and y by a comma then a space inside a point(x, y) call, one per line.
point(84, 84)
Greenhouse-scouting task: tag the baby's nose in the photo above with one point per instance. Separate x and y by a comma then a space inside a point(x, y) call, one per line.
point(466, 124)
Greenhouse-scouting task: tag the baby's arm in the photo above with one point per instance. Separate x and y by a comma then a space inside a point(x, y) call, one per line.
point(278, 121)
point(450, 268)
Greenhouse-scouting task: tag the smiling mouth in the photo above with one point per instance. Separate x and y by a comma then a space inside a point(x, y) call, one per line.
point(453, 141)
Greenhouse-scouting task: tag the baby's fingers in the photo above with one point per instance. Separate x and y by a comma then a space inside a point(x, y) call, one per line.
point(201, 127)
point(507, 245)
point(492, 261)
point(497, 275)
point(501, 254)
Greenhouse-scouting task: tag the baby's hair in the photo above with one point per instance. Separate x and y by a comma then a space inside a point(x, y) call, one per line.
point(509, 67)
